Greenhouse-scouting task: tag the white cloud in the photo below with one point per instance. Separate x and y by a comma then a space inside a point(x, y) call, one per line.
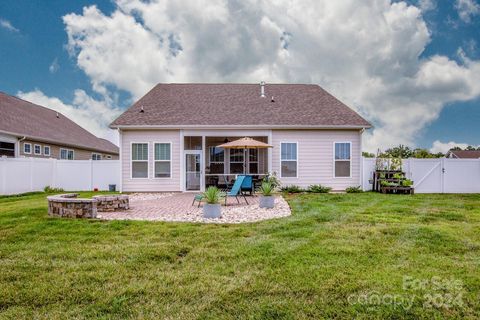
point(427, 5)
point(443, 147)
point(367, 53)
point(54, 66)
point(466, 9)
point(93, 115)
point(8, 25)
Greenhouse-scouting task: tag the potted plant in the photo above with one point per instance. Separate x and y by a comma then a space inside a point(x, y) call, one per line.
point(267, 200)
point(211, 208)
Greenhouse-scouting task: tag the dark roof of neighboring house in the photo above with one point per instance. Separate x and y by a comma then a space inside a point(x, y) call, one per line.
point(301, 105)
point(465, 154)
point(22, 118)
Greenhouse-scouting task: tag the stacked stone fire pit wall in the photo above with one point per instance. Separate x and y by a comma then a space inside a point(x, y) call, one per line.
point(111, 203)
point(69, 206)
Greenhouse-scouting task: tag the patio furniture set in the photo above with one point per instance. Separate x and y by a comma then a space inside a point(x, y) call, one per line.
point(242, 185)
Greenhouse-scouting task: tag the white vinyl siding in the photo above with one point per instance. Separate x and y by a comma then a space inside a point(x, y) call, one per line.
point(316, 157)
point(151, 184)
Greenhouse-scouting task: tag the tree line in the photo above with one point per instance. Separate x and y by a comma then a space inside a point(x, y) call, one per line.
point(404, 152)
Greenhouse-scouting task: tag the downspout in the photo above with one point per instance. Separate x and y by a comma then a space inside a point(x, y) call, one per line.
point(18, 149)
point(120, 142)
point(361, 160)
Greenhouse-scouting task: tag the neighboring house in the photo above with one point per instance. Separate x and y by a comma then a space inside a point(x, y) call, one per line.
point(30, 130)
point(463, 154)
point(169, 138)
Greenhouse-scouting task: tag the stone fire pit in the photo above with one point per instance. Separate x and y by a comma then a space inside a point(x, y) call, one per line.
point(68, 205)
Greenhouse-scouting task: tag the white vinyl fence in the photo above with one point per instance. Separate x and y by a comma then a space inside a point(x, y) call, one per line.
point(434, 175)
point(19, 175)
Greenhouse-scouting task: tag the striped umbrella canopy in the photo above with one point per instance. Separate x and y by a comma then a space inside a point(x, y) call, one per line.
point(245, 143)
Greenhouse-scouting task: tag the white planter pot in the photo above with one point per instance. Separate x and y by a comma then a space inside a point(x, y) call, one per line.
point(267, 202)
point(212, 210)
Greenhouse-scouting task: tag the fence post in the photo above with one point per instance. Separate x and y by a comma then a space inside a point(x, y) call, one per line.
point(54, 173)
point(91, 174)
point(31, 174)
point(3, 164)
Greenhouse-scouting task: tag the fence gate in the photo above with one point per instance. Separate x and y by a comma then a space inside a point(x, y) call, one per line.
point(461, 175)
point(427, 175)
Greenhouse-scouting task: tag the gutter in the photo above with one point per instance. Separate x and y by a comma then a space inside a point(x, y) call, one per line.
point(57, 143)
point(226, 127)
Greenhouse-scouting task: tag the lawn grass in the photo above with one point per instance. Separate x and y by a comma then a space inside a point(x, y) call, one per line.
point(333, 247)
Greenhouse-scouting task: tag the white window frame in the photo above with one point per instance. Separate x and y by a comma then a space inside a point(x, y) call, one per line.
point(108, 157)
point(230, 161)
point(147, 161)
point(257, 162)
point(296, 168)
point(68, 151)
point(155, 161)
point(97, 155)
point(335, 160)
point(217, 162)
point(29, 145)
point(39, 153)
point(49, 151)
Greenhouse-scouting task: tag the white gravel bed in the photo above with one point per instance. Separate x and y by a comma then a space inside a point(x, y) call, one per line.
point(178, 208)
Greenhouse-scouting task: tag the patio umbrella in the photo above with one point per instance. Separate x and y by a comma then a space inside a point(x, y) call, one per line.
point(245, 143)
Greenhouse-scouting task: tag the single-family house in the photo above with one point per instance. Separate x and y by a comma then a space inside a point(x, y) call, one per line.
point(30, 130)
point(169, 138)
point(463, 154)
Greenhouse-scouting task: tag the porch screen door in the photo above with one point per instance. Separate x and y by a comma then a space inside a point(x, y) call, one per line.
point(193, 172)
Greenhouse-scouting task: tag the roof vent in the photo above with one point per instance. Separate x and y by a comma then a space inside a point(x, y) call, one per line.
point(262, 89)
point(273, 100)
point(57, 115)
point(141, 110)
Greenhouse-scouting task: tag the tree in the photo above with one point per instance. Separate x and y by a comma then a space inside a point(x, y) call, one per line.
point(401, 151)
point(368, 154)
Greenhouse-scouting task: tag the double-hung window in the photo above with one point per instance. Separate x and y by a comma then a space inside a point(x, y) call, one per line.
point(289, 165)
point(37, 149)
point(46, 151)
point(163, 160)
point(342, 159)
point(96, 156)
point(253, 161)
point(139, 160)
point(66, 154)
point(27, 148)
point(236, 161)
point(217, 160)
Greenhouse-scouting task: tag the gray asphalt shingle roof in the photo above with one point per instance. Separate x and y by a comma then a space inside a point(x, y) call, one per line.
point(239, 104)
point(23, 118)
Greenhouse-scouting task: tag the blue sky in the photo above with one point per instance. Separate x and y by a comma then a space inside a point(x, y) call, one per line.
point(34, 60)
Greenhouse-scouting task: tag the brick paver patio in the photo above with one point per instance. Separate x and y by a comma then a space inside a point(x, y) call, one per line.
point(178, 207)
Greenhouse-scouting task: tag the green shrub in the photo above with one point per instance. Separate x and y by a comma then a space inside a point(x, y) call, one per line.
point(407, 183)
point(292, 189)
point(354, 190)
point(266, 189)
point(318, 188)
point(212, 195)
point(49, 189)
point(273, 180)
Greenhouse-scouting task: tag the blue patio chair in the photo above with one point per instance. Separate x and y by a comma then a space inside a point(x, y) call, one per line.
point(247, 185)
point(235, 191)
